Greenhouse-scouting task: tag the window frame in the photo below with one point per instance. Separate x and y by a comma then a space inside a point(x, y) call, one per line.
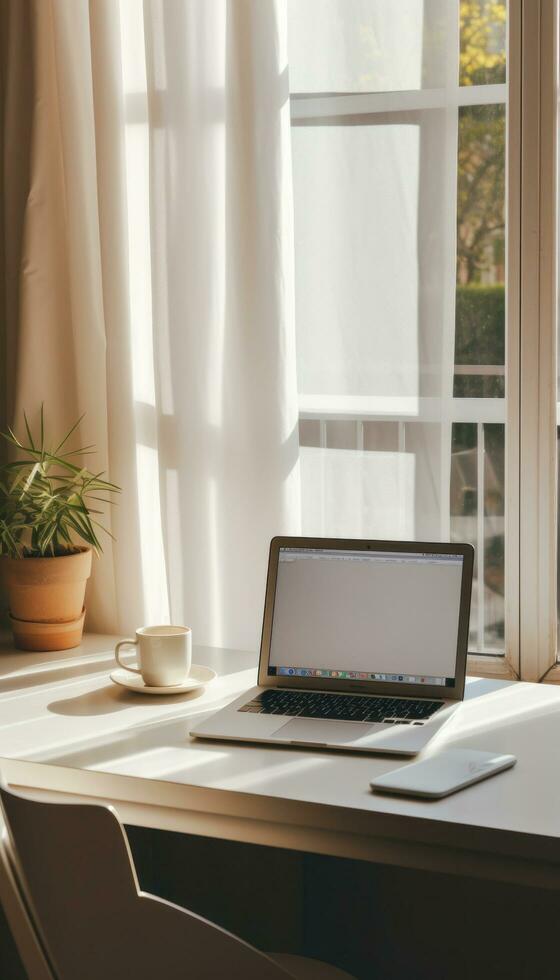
point(531, 349)
point(532, 336)
point(530, 520)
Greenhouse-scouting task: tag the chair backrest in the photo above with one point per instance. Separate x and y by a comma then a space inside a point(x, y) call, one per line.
point(20, 922)
point(80, 883)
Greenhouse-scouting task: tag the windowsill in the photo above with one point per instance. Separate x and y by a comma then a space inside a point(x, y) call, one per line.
point(553, 675)
point(497, 667)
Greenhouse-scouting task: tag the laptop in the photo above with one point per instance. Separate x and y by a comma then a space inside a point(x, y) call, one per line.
point(364, 646)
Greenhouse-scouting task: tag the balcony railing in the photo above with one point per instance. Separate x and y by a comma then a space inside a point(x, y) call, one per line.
point(472, 471)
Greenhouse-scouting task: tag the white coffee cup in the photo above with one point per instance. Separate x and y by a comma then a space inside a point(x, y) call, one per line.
point(164, 654)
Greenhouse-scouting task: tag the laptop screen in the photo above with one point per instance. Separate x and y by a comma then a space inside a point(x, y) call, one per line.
point(371, 615)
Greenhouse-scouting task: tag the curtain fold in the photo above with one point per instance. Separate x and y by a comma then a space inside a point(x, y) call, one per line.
point(16, 103)
point(222, 298)
point(155, 293)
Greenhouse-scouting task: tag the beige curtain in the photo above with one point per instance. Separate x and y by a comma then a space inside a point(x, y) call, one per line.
point(68, 282)
point(157, 300)
point(16, 99)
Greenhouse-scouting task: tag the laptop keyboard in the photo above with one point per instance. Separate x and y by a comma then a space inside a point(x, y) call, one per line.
point(342, 707)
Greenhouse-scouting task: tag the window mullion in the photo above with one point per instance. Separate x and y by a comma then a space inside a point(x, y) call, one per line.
point(317, 105)
point(513, 313)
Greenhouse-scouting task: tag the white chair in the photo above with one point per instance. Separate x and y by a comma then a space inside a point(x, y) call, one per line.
point(77, 912)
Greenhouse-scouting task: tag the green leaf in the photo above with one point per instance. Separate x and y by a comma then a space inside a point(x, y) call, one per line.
point(29, 436)
point(82, 451)
point(10, 437)
point(46, 499)
point(69, 433)
point(31, 477)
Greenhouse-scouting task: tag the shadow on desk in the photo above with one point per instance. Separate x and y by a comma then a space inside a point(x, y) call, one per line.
point(377, 922)
point(105, 700)
point(56, 673)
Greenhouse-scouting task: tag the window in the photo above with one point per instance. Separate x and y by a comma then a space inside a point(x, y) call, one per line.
point(423, 313)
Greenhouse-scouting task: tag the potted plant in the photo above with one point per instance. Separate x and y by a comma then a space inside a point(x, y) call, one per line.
point(49, 508)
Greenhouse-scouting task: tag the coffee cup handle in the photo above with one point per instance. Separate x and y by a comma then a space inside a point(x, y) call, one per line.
point(126, 643)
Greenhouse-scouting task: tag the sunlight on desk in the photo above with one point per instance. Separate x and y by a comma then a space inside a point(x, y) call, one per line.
point(66, 730)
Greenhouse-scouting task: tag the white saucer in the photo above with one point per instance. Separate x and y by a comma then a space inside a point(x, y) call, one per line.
point(198, 677)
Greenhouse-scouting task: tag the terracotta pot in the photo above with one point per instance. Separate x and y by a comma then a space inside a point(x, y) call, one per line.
point(47, 636)
point(49, 591)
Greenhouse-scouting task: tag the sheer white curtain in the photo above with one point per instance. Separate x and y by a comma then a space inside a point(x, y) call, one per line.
point(157, 293)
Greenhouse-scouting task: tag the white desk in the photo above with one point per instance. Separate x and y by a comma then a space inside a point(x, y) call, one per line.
point(66, 729)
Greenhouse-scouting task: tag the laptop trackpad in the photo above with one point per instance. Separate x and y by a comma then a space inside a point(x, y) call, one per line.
point(315, 732)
